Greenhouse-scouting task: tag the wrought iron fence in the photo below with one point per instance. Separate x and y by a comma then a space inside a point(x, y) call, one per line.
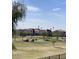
point(60, 56)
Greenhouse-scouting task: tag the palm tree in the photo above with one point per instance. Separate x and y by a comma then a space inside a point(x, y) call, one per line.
point(18, 13)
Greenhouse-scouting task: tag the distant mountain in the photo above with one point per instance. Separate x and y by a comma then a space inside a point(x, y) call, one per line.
point(41, 32)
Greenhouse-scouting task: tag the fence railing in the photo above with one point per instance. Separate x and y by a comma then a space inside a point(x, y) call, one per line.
point(59, 56)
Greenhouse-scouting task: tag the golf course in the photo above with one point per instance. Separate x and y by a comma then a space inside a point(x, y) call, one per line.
point(37, 49)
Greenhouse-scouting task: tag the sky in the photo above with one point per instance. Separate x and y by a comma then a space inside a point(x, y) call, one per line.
point(44, 13)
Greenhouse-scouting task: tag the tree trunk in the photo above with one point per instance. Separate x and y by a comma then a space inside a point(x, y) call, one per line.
point(22, 38)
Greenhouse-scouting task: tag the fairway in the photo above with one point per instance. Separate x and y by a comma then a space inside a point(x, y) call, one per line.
point(34, 50)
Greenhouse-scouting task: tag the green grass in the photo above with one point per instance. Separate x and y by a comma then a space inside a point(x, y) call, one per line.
point(34, 50)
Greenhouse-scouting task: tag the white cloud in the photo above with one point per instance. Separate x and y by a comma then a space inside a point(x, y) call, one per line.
point(33, 9)
point(56, 9)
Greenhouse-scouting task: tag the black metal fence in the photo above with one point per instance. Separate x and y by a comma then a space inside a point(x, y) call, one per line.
point(60, 56)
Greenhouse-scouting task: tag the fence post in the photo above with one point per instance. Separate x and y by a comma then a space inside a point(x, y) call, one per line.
point(59, 56)
point(49, 57)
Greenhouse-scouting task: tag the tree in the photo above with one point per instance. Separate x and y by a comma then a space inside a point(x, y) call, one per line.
point(49, 32)
point(59, 33)
point(18, 13)
point(22, 34)
point(44, 34)
point(53, 41)
point(33, 32)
